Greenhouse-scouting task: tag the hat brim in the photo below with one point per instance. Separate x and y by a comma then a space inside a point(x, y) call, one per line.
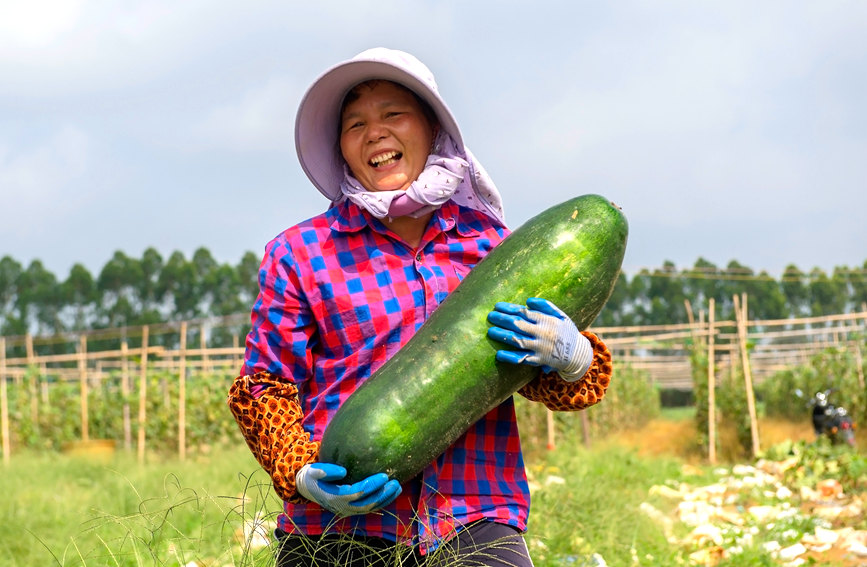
point(317, 120)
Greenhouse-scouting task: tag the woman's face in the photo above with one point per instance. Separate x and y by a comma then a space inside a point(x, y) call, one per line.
point(385, 136)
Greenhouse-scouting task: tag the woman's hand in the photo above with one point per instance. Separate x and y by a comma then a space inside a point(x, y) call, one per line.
point(546, 336)
point(316, 482)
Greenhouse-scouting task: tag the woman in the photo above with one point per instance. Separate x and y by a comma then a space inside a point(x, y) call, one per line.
point(411, 213)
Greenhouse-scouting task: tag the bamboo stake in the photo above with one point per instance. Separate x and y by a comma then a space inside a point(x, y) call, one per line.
point(711, 385)
point(182, 395)
point(858, 359)
point(33, 389)
point(741, 314)
point(859, 365)
point(203, 345)
point(43, 384)
point(142, 394)
point(4, 403)
point(28, 347)
point(43, 392)
point(551, 430)
point(690, 315)
point(585, 428)
point(31, 382)
point(82, 377)
point(125, 391)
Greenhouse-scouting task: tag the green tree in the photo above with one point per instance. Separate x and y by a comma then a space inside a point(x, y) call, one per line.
point(736, 280)
point(858, 284)
point(765, 299)
point(703, 282)
point(205, 279)
point(616, 311)
point(177, 288)
point(10, 274)
point(639, 293)
point(39, 300)
point(147, 287)
point(248, 278)
point(117, 284)
point(224, 291)
point(827, 295)
point(796, 291)
point(770, 301)
point(80, 296)
point(666, 293)
point(203, 262)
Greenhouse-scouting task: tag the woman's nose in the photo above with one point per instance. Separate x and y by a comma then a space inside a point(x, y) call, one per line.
point(376, 131)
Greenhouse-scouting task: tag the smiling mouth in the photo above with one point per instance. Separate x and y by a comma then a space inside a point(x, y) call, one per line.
point(386, 158)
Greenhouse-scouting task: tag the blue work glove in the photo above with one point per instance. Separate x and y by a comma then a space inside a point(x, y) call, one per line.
point(316, 482)
point(546, 336)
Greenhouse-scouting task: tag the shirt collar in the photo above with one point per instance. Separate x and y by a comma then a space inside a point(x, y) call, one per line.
point(349, 217)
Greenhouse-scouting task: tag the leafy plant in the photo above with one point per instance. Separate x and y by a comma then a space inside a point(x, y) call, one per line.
point(52, 417)
point(835, 368)
point(630, 402)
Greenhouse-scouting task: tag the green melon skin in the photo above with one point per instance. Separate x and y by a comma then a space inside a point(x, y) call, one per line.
point(445, 378)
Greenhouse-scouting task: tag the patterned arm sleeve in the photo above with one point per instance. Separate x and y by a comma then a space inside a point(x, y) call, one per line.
point(266, 409)
point(559, 395)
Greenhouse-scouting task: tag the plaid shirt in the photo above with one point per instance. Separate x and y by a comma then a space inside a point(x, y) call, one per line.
point(340, 294)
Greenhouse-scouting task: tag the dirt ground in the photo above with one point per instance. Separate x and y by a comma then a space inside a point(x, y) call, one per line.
point(676, 437)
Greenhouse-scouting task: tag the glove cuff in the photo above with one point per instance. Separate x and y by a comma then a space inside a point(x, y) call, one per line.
point(582, 358)
point(559, 395)
point(301, 482)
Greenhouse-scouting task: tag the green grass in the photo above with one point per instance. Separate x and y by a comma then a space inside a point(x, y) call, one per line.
point(596, 507)
point(64, 511)
point(77, 511)
point(71, 511)
point(679, 413)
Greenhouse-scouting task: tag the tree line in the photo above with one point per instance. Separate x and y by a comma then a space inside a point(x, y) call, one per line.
point(661, 296)
point(130, 291)
point(127, 291)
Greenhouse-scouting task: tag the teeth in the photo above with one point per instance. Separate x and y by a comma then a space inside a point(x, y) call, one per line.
point(381, 159)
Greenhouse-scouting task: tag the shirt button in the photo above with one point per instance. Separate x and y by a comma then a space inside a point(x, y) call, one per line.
point(418, 257)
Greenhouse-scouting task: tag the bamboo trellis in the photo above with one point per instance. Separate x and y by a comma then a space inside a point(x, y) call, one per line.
point(760, 347)
point(35, 362)
point(662, 351)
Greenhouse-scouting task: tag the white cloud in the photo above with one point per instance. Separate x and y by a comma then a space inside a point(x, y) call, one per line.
point(708, 113)
point(36, 23)
point(54, 49)
point(36, 183)
point(263, 119)
point(682, 112)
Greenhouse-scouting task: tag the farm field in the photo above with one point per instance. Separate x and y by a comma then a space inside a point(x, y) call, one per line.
point(617, 501)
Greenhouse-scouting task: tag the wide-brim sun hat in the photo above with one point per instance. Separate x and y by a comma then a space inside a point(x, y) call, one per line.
point(317, 120)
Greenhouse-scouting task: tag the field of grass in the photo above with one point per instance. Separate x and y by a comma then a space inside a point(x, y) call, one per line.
point(83, 511)
point(80, 511)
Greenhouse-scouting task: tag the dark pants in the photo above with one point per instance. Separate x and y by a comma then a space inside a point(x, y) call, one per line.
point(482, 544)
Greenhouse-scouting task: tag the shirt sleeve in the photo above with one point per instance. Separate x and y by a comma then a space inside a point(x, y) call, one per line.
point(559, 395)
point(264, 398)
point(283, 329)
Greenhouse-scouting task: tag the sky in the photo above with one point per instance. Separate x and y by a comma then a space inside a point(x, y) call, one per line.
point(725, 130)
